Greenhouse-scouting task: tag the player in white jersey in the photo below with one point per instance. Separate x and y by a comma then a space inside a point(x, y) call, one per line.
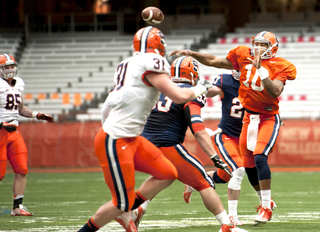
point(118, 145)
point(12, 145)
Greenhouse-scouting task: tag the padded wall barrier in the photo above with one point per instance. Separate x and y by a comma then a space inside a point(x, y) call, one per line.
point(71, 144)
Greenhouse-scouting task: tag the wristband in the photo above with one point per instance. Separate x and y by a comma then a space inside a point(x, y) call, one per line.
point(198, 90)
point(34, 114)
point(263, 73)
point(190, 52)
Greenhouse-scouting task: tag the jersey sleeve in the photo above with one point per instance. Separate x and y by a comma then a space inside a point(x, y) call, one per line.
point(288, 73)
point(233, 57)
point(192, 112)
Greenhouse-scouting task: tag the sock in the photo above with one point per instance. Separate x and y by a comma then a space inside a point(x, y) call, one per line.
point(266, 198)
point(145, 204)
point(17, 201)
point(90, 226)
point(232, 205)
point(138, 201)
point(259, 195)
point(223, 218)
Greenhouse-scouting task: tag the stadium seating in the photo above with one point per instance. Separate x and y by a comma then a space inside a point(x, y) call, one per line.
point(10, 41)
point(80, 63)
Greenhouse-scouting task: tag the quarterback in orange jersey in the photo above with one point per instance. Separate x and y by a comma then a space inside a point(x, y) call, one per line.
point(262, 80)
point(121, 150)
point(12, 145)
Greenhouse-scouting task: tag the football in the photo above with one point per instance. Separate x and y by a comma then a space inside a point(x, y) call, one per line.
point(152, 15)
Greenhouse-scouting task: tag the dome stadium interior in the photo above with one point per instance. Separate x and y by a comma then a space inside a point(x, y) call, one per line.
point(67, 50)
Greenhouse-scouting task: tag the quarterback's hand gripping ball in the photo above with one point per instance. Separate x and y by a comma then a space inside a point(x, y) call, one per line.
point(152, 15)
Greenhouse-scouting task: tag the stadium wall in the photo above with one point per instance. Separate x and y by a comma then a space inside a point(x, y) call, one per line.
point(71, 144)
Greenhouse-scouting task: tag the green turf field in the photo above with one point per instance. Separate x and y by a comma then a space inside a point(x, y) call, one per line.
point(64, 202)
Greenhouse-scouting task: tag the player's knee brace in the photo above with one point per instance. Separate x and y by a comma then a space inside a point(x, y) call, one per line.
point(252, 174)
point(263, 169)
point(237, 176)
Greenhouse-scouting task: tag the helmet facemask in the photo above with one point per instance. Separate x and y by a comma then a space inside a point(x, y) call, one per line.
point(8, 67)
point(267, 38)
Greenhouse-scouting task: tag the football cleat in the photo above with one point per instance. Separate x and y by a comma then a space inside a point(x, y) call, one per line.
point(126, 221)
point(137, 215)
point(235, 220)
point(231, 228)
point(21, 211)
point(273, 206)
point(188, 190)
point(263, 217)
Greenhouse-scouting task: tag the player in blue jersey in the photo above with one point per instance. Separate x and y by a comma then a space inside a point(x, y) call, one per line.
point(226, 139)
point(166, 128)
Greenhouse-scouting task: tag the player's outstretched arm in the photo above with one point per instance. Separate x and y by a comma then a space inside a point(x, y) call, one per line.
point(205, 143)
point(177, 94)
point(206, 59)
point(28, 113)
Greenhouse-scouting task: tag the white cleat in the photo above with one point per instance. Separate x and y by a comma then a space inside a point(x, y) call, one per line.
point(235, 220)
point(21, 211)
point(137, 215)
point(126, 221)
point(231, 228)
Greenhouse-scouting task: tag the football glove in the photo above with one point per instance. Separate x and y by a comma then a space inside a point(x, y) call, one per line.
point(46, 117)
point(220, 164)
point(8, 127)
point(205, 83)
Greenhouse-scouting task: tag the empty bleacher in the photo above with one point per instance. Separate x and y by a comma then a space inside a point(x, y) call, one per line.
point(9, 41)
point(79, 63)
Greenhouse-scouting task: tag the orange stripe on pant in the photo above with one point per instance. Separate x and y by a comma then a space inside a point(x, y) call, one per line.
point(189, 166)
point(119, 158)
point(267, 137)
point(228, 150)
point(13, 148)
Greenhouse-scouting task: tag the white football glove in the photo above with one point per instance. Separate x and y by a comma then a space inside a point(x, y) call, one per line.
point(205, 83)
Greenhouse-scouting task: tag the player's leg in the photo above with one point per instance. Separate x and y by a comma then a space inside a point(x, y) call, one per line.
point(18, 158)
point(191, 172)
point(149, 159)
point(119, 173)
point(267, 138)
point(3, 153)
point(228, 149)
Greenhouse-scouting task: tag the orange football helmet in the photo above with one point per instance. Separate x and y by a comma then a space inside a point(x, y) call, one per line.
point(185, 69)
point(268, 38)
point(149, 40)
point(5, 72)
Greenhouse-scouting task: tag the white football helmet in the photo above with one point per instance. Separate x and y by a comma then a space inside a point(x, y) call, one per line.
point(6, 72)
